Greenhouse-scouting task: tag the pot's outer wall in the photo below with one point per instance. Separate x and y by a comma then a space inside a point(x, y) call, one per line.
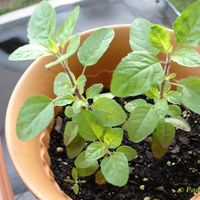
point(37, 80)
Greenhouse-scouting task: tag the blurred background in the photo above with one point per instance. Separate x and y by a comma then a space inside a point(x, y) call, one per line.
point(14, 16)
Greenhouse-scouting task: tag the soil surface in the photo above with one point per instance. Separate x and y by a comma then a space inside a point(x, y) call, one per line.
point(175, 177)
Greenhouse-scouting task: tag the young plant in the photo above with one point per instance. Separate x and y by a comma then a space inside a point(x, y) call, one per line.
point(75, 181)
point(93, 116)
point(141, 72)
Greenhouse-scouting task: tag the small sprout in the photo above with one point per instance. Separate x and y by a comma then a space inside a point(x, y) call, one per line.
point(75, 181)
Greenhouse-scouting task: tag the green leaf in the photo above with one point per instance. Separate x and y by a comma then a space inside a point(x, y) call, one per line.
point(139, 36)
point(153, 93)
point(95, 151)
point(75, 188)
point(83, 172)
point(70, 132)
point(161, 107)
point(157, 149)
point(69, 112)
point(174, 97)
point(106, 95)
point(42, 24)
point(94, 90)
point(63, 85)
point(53, 47)
point(81, 81)
point(89, 128)
point(113, 137)
point(165, 133)
point(64, 100)
point(187, 26)
point(130, 106)
point(142, 123)
point(170, 76)
point(140, 70)
point(160, 38)
point(34, 116)
point(174, 111)
point(187, 57)
point(115, 169)
point(129, 152)
point(179, 123)
point(74, 173)
point(28, 52)
point(73, 45)
point(190, 94)
point(75, 147)
point(82, 161)
point(95, 46)
point(66, 29)
point(108, 112)
point(78, 105)
point(71, 49)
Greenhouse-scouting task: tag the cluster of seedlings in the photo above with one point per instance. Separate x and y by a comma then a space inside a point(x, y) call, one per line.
point(97, 123)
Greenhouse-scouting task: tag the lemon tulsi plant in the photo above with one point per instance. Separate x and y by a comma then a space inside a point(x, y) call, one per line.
point(96, 125)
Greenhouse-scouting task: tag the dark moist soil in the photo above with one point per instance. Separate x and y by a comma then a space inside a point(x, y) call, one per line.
point(170, 178)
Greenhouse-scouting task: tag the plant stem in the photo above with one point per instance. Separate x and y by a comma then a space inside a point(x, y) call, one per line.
point(67, 71)
point(166, 72)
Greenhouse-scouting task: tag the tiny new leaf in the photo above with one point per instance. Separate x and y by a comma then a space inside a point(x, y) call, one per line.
point(34, 116)
point(140, 70)
point(95, 46)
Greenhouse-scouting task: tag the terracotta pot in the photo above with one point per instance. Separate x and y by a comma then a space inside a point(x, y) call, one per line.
point(31, 158)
